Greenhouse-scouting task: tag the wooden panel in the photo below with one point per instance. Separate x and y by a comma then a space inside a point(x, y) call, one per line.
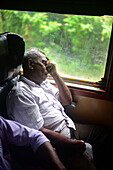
point(90, 110)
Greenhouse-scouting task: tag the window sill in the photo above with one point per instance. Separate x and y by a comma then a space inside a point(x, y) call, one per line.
point(85, 90)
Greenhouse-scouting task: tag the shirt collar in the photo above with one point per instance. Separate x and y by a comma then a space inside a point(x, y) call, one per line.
point(29, 82)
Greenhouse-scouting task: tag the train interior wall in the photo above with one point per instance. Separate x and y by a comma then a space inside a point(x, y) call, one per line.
point(92, 110)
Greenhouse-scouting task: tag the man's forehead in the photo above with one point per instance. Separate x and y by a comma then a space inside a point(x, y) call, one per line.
point(41, 57)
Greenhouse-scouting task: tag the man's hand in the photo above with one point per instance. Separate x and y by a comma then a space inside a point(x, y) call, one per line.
point(64, 144)
point(77, 146)
point(51, 67)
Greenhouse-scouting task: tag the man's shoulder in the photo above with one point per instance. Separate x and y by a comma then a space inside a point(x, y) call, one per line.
point(15, 90)
point(19, 87)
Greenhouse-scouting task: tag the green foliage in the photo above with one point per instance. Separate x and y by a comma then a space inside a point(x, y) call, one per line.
point(78, 44)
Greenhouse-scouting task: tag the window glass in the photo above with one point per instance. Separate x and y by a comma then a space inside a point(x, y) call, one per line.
point(78, 44)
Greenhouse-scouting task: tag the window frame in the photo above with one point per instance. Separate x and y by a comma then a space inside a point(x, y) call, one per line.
point(102, 89)
point(108, 80)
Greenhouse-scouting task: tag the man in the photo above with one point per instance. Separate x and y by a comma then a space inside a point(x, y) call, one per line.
point(14, 136)
point(13, 133)
point(34, 102)
point(24, 109)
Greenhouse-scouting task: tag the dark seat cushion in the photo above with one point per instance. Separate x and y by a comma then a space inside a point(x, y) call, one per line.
point(4, 90)
point(12, 47)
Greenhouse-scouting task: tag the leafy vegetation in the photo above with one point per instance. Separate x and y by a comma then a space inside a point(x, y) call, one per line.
point(78, 44)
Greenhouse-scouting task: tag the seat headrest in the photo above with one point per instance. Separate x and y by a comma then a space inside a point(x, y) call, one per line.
point(12, 47)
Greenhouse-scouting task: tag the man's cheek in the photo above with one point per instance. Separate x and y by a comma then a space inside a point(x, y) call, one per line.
point(43, 70)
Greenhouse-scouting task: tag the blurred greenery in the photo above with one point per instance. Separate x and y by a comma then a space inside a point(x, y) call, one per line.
point(78, 44)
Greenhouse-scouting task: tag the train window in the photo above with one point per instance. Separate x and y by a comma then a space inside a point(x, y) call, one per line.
point(78, 44)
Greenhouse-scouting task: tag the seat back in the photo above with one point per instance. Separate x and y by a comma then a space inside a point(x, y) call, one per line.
point(4, 90)
point(12, 49)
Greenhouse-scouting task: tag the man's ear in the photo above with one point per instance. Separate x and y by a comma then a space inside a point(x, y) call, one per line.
point(30, 64)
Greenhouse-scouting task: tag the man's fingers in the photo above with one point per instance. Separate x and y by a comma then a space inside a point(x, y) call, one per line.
point(48, 60)
point(50, 67)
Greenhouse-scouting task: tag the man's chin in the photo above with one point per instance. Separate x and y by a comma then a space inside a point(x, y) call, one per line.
point(45, 77)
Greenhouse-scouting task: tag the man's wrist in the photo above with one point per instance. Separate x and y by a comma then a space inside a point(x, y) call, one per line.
point(54, 75)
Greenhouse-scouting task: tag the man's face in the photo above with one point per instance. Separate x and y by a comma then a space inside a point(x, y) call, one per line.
point(40, 71)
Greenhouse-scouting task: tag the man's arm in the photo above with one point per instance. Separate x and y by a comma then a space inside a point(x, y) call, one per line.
point(64, 144)
point(64, 92)
point(49, 155)
point(19, 135)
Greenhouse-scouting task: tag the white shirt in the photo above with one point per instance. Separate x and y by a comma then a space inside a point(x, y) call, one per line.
point(36, 106)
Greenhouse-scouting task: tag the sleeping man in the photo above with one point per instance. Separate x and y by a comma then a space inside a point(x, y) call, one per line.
point(36, 103)
point(33, 144)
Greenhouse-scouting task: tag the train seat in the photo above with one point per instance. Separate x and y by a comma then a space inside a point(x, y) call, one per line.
point(12, 48)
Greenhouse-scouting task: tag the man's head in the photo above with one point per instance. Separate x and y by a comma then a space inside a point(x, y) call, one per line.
point(34, 65)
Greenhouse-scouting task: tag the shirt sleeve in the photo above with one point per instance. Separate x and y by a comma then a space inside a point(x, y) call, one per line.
point(20, 135)
point(23, 108)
